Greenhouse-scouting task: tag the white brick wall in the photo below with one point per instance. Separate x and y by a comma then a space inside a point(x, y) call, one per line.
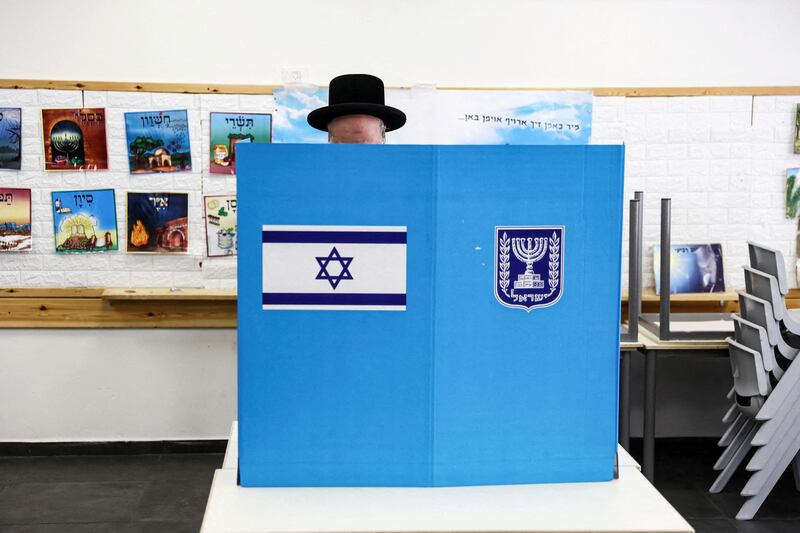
point(42, 267)
point(722, 159)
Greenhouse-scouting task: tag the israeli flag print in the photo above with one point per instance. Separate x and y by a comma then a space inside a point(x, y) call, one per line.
point(338, 268)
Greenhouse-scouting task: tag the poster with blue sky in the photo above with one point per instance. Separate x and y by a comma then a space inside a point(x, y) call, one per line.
point(456, 117)
point(513, 117)
point(292, 106)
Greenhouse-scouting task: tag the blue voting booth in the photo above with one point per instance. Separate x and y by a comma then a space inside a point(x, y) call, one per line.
point(428, 315)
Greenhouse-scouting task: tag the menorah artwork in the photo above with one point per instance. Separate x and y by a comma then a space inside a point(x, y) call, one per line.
point(67, 140)
point(66, 143)
point(529, 250)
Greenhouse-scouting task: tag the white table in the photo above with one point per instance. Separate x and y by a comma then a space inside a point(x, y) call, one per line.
point(232, 450)
point(628, 504)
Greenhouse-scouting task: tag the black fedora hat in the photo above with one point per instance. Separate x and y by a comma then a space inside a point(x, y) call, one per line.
point(356, 94)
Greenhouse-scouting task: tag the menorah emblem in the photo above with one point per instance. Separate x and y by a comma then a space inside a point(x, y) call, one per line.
point(529, 252)
point(528, 266)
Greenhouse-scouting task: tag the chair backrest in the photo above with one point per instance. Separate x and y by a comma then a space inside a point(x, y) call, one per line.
point(755, 337)
point(749, 375)
point(770, 261)
point(765, 286)
point(759, 311)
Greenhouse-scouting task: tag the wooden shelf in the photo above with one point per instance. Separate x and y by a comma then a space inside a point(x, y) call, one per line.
point(221, 88)
point(170, 294)
point(51, 293)
point(716, 302)
point(651, 296)
point(216, 308)
point(117, 308)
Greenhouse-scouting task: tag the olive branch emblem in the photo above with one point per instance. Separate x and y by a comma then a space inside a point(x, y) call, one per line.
point(554, 249)
point(504, 262)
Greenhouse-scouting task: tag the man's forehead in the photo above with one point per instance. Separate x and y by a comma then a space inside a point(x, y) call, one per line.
point(357, 117)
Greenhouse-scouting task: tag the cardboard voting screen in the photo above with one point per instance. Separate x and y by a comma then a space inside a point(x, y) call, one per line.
point(428, 315)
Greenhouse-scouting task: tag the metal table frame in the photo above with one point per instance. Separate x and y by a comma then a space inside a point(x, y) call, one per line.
point(652, 349)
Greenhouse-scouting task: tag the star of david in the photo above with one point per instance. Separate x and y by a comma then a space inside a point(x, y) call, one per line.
point(334, 257)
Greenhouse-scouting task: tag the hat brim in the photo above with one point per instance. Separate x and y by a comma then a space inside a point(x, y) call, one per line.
point(393, 118)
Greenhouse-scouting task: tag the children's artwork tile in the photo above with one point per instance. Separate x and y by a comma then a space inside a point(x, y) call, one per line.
point(792, 193)
point(158, 141)
point(85, 221)
point(693, 268)
point(797, 130)
point(158, 222)
point(10, 138)
point(15, 220)
point(74, 139)
point(230, 129)
point(221, 235)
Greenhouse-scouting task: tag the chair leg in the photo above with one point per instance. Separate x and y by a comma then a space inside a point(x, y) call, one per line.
point(731, 414)
point(754, 502)
point(764, 461)
point(784, 392)
point(745, 434)
point(736, 460)
point(780, 419)
point(732, 430)
point(770, 439)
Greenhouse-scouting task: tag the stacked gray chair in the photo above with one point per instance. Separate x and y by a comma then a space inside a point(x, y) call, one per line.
point(766, 287)
point(766, 388)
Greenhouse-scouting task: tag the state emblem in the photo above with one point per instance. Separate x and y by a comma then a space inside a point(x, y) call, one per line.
point(529, 265)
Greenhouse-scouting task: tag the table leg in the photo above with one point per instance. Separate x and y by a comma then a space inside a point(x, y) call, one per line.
point(625, 399)
point(649, 414)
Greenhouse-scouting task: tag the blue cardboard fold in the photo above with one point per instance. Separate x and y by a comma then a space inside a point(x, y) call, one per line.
point(458, 388)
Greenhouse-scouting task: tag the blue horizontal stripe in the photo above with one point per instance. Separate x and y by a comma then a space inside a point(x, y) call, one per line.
point(335, 237)
point(302, 298)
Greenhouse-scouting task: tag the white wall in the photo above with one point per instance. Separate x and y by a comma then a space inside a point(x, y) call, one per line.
point(721, 158)
point(82, 385)
point(513, 43)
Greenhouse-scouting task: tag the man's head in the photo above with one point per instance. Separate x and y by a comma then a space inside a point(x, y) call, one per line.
point(356, 113)
point(356, 129)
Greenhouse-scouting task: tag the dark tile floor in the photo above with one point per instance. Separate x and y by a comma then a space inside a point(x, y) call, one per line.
point(105, 493)
point(168, 492)
point(683, 474)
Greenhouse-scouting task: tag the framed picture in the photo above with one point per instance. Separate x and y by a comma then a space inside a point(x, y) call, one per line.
point(74, 139)
point(797, 130)
point(158, 222)
point(158, 141)
point(230, 129)
point(221, 234)
point(85, 221)
point(10, 138)
point(693, 268)
point(15, 220)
